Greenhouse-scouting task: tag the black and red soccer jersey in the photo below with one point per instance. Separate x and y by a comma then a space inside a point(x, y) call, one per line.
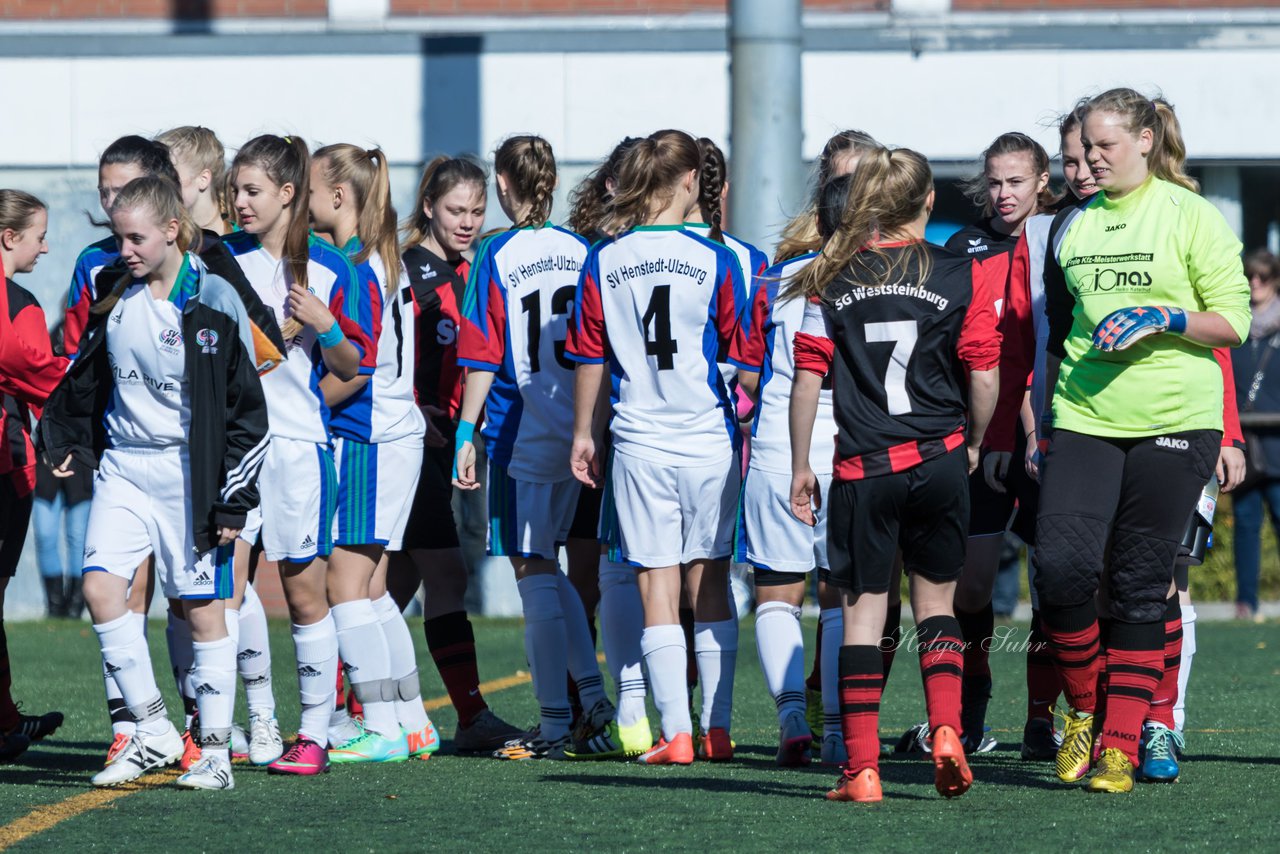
point(899, 356)
point(438, 287)
point(29, 371)
point(1002, 259)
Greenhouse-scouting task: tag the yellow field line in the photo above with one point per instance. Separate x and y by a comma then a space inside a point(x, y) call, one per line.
point(43, 818)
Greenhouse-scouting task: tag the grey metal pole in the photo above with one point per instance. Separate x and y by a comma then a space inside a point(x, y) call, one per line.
point(765, 167)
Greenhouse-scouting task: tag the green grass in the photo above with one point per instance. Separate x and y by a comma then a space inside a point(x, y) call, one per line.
point(1226, 800)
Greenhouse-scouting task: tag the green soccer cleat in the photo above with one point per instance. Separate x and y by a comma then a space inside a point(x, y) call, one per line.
point(615, 742)
point(369, 746)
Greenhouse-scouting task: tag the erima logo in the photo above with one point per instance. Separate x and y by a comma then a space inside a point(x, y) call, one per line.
point(976, 246)
point(1175, 444)
point(307, 670)
point(246, 654)
point(206, 690)
point(1118, 227)
point(308, 543)
point(203, 580)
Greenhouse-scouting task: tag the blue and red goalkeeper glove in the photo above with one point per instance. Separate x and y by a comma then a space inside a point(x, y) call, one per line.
point(1124, 327)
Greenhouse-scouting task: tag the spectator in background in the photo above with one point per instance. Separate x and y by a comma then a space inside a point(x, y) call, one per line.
point(1257, 376)
point(55, 499)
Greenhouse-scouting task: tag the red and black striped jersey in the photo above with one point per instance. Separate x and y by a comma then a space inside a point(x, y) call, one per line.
point(899, 356)
point(438, 287)
point(29, 371)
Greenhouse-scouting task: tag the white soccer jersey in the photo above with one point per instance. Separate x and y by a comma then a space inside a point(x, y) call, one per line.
point(295, 405)
point(768, 332)
point(1037, 237)
point(659, 303)
point(386, 409)
point(514, 321)
point(150, 407)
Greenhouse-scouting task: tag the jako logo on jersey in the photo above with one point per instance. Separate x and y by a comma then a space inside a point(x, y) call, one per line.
point(1175, 444)
point(446, 331)
point(208, 341)
point(171, 338)
point(1119, 227)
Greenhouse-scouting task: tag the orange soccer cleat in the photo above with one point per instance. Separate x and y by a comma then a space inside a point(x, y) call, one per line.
point(862, 788)
point(952, 777)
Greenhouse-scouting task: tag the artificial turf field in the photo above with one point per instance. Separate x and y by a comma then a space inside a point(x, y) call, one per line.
point(1228, 798)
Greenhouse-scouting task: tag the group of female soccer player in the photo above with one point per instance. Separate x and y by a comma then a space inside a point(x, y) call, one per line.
point(304, 389)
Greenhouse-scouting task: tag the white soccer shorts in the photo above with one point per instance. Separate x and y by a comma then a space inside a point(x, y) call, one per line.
point(668, 516)
point(376, 486)
point(528, 519)
point(298, 491)
point(141, 506)
point(770, 536)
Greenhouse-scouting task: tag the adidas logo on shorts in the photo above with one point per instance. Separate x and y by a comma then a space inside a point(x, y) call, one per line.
point(206, 689)
point(308, 543)
point(246, 654)
point(307, 670)
point(203, 580)
point(90, 552)
point(1170, 442)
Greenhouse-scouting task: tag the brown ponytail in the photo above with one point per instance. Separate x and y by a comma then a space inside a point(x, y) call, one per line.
point(365, 172)
point(647, 177)
point(711, 182)
point(589, 200)
point(1168, 157)
point(889, 191)
point(529, 167)
point(801, 236)
point(285, 160)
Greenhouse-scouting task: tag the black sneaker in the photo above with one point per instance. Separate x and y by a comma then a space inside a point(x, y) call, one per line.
point(1039, 741)
point(13, 746)
point(36, 727)
point(975, 695)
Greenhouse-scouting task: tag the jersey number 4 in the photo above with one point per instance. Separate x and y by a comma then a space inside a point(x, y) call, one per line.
point(902, 334)
point(561, 302)
point(657, 328)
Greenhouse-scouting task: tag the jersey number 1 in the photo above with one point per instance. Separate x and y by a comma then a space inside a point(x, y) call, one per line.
point(657, 340)
point(903, 334)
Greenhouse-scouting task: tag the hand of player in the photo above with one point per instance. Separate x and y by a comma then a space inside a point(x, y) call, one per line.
point(226, 536)
point(306, 308)
point(806, 497)
point(434, 438)
point(1231, 466)
point(1124, 327)
point(64, 469)
point(975, 456)
point(584, 464)
point(464, 476)
point(995, 468)
point(1033, 457)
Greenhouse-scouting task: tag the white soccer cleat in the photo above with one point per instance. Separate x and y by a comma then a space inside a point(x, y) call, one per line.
point(265, 744)
point(144, 753)
point(212, 772)
point(343, 727)
point(239, 742)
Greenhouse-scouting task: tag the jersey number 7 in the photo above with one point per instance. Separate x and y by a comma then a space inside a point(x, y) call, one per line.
point(657, 328)
point(903, 335)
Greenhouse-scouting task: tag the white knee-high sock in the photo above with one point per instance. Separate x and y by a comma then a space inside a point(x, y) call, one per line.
point(404, 665)
point(316, 646)
point(1184, 673)
point(126, 657)
point(363, 648)
point(832, 639)
point(781, 647)
point(665, 655)
point(581, 650)
point(122, 722)
point(716, 648)
point(621, 625)
point(214, 678)
point(546, 646)
point(177, 635)
point(253, 656)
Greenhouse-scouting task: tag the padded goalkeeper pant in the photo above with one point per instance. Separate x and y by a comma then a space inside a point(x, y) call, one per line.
point(1123, 504)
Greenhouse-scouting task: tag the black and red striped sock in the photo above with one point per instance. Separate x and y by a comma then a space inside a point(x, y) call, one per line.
point(1043, 684)
point(1100, 692)
point(814, 681)
point(452, 644)
point(1166, 693)
point(942, 669)
point(1135, 664)
point(861, 684)
point(892, 638)
point(1073, 640)
point(9, 716)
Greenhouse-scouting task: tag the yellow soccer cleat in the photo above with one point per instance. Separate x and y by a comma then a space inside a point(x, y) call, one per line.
point(1114, 774)
point(1072, 761)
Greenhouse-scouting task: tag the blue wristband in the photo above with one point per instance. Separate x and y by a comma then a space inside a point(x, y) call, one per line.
point(466, 433)
point(1177, 320)
point(332, 338)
